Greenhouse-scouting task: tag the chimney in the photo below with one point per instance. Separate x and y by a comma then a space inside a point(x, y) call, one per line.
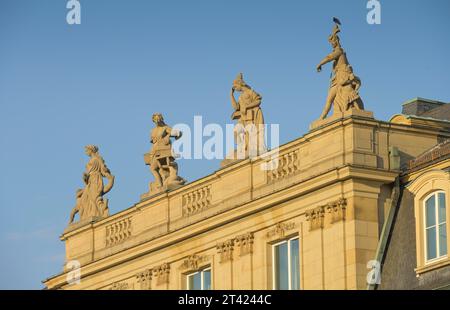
point(419, 106)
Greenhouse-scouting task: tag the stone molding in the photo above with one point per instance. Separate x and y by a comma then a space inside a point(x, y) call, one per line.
point(144, 279)
point(244, 243)
point(315, 217)
point(225, 250)
point(193, 262)
point(280, 230)
point(162, 273)
point(334, 211)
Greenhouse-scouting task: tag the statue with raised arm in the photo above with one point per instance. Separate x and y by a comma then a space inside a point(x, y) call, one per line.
point(249, 131)
point(161, 158)
point(90, 202)
point(344, 86)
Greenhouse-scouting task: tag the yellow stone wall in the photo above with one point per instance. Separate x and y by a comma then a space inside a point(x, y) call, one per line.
point(329, 189)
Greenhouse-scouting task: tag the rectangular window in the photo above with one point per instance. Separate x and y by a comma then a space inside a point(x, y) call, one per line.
point(286, 265)
point(200, 280)
point(435, 226)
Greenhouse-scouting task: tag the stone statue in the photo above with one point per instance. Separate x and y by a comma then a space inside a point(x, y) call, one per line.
point(249, 131)
point(161, 158)
point(344, 86)
point(89, 201)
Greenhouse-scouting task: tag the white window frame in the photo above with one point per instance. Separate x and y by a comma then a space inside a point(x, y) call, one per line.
point(201, 272)
point(437, 224)
point(288, 241)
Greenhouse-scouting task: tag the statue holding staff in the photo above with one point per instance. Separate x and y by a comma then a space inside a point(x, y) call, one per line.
point(344, 85)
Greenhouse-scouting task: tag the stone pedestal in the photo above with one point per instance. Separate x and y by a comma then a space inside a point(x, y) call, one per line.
point(82, 223)
point(340, 115)
point(153, 190)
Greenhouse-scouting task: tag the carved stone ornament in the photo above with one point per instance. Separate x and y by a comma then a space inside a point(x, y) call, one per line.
point(281, 230)
point(333, 211)
point(225, 250)
point(193, 262)
point(315, 217)
point(120, 286)
point(287, 166)
point(144, 279)
point(197, 200)
point(337, 210)
point(118, 231)
point(244, 243)
point(162, 273)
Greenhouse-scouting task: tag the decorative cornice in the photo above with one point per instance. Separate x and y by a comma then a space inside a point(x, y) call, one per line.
point(144, 278)
point(162, 273)
point(335, 211)
point(315, 217)
point(225, 249)
point(244, 243)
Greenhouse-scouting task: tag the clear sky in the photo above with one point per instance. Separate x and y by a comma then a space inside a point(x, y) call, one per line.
point(62, 87)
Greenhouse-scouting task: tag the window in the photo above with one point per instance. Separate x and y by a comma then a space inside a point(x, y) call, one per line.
point(200, 280)
point(435, 226)
point(286, 265)
point(431, 191)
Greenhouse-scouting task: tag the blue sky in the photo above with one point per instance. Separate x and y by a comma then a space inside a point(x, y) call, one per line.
point(62, 87)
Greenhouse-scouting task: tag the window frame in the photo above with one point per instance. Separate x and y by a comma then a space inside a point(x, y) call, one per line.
point(202, 276)
point(421, 185)
point(273, 246)
point(437, 224)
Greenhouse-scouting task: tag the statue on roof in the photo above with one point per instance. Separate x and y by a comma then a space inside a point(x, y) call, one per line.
point(161, 158)
point(89, 200)
point(249, 130)
point(343, 93)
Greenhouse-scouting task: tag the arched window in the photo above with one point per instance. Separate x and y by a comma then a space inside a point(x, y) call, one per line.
point(435, 226)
